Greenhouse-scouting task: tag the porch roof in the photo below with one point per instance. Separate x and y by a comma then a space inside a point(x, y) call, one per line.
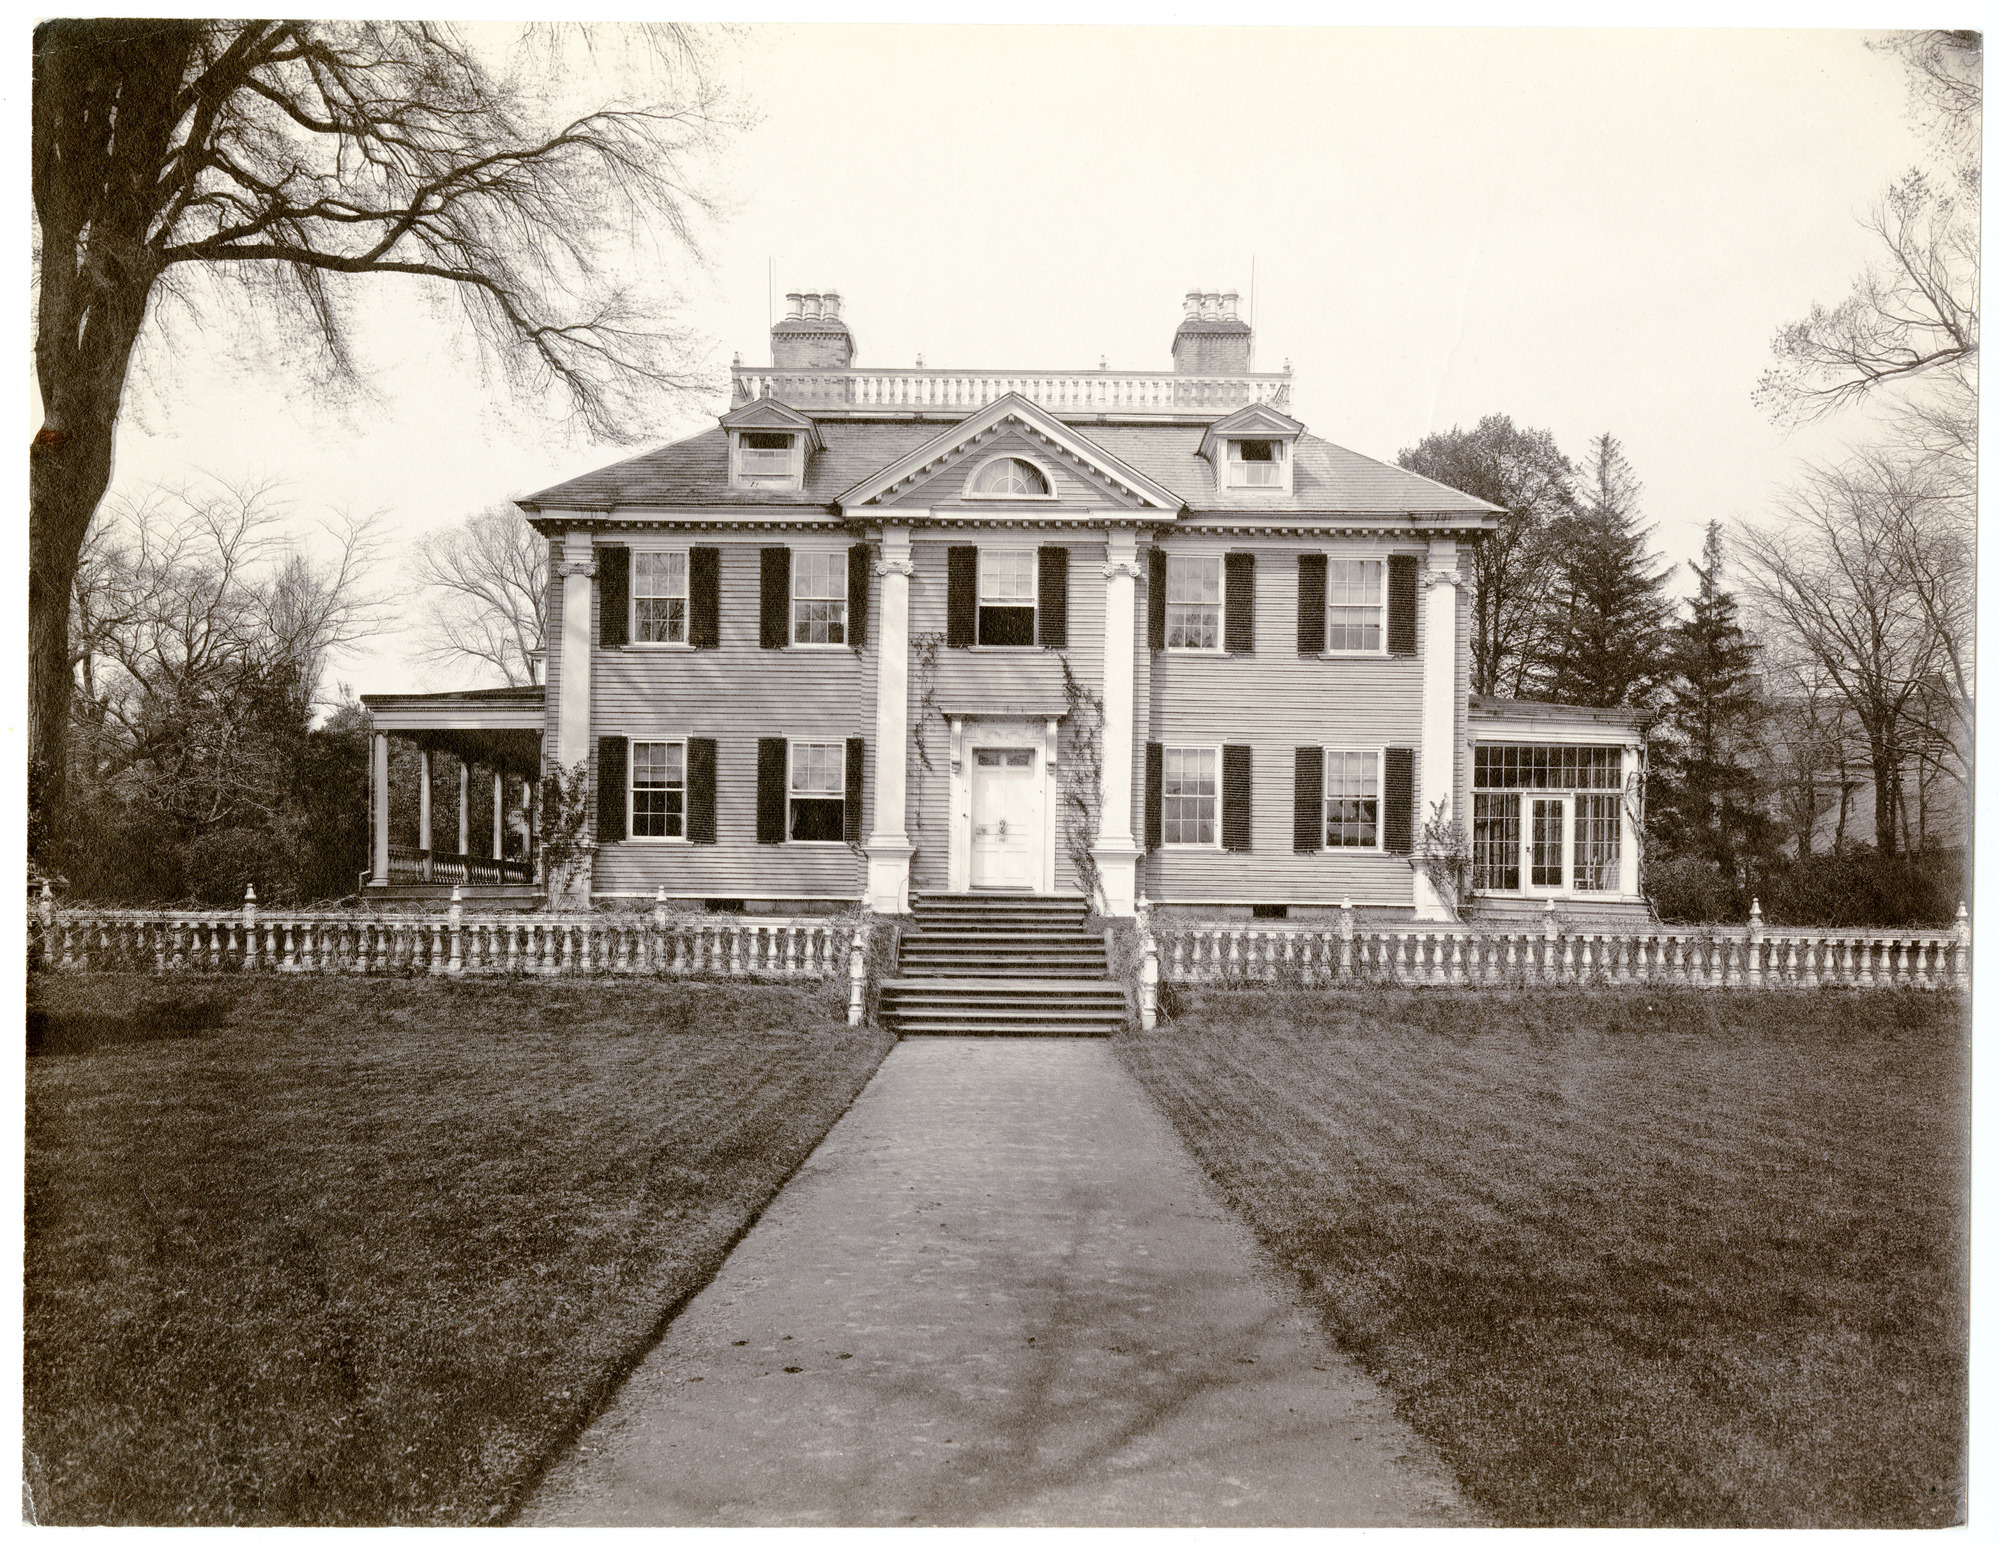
point(497, 726)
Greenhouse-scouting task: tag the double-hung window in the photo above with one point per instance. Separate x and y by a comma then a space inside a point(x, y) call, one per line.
point(1353, 605)
point(1006, 595)
point(1353, 799)
point(659, 788)
point(659, 597)
point(1193, 601)
point(819, 597)
point(1256, 463)
point(818, 787)
point(766, 460)
point(1188, 798)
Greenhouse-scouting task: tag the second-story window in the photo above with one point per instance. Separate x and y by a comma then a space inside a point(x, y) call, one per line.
point(1256, 463)
point(1193, 601)
point(1006, 596)
point(1009, 477)
point(819, 597)
point(1353, 606)
point(764, 459)
point(659, 597)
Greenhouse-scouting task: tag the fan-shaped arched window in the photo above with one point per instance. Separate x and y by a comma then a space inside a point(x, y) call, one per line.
point(1008, 477)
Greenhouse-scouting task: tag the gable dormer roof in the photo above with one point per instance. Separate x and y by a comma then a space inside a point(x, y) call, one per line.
point(1015, 408)
point(767, 413)
point(1255, 422)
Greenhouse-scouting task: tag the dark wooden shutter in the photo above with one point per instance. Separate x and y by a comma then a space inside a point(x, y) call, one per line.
point(614, 597)
point(704, 599)
point(850, 815)
point(1239, 602)
point(1398, 799)
point(1155, 792)
point(1052, 618)
point(1308, 798)
point(701, 789)
point(1155, 599)
point(611, 788)
point(961, 597)
point(774, 617)
point(1236, 798)
point(1402, 603)
point(770, 790)
point(1311, 603)
point(859, 560)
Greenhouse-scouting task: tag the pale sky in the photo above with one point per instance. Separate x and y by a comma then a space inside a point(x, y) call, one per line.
point(1588, 230)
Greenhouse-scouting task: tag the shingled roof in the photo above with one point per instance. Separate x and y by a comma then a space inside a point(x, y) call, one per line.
point(1326, 478)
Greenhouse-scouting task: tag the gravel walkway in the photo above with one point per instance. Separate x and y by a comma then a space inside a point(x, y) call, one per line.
point(1000, 1292)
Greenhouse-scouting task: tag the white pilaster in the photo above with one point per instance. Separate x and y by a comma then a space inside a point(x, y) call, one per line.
point(423, 801)
point(499, 814)
point(888, 848)
point(1116, 853)
point(572, 730)
point(464, 808)
point(1440, 679)
point(378, 792)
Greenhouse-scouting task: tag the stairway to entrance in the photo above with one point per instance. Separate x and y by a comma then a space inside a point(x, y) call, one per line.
point(1001, 964)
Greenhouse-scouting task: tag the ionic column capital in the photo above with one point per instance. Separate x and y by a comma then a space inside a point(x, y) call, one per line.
point(576, 568)
point(886, 566)
point(1121, 571)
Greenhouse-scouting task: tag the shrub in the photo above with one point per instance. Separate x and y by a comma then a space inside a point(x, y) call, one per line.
point(1859, 887)
point(1691, 889)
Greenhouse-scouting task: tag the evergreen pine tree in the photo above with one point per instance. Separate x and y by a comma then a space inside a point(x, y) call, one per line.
point(1705, 797)
point(1607, 640)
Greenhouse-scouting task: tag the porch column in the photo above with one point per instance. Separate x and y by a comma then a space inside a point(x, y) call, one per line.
point(888, 848)
point(499, 811)
point(1438, 780)
point(423, 803)
point(378, 797)
point(464, 808)
point(1115, 852)
point(572, 730)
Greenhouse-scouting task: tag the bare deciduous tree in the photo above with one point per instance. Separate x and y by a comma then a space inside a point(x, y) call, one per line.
point(266, 166)
point(486, 594)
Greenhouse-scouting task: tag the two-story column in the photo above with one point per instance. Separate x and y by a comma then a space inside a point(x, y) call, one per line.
point(378, 775)
point(1115, 851)
point(572, 720)
point(1439, 761)
point(889, 850)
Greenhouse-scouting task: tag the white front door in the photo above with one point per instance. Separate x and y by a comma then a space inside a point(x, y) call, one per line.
point(1006, 819)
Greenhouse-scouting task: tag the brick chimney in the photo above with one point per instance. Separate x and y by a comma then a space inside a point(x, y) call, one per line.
point(1212, 339)
point(811, 336)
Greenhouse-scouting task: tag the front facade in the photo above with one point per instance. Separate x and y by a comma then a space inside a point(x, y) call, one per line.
point(1134, 635)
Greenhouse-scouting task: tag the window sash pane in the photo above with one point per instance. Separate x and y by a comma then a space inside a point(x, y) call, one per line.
point(1495, 841)
point(1187, 800)
point(1353, 805)
point(1599, 836)
point(1193, 581)
point(818, 768)
point(1546, 857)
point(1549, 766)
point(1006, 578)
point(1011, 478)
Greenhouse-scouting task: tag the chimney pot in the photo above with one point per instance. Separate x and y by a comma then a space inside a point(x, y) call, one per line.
point(1211, 305)
point(1230, 299)
point(831, 300)
point(812, 306)
point(797, 303)
point(1193, 303)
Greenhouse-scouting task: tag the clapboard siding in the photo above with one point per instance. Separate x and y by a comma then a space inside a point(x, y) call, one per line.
point(734, 694)
point(1274, 701)
point(989, 680)
point(947, 484)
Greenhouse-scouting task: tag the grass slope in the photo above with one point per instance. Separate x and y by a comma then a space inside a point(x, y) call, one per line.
point(1623, 1256)
point(318, 1251)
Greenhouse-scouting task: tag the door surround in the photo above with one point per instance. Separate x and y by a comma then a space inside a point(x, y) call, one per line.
point(970, 731)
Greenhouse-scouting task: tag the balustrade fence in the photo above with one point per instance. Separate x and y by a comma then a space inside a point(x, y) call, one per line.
point(424, 865)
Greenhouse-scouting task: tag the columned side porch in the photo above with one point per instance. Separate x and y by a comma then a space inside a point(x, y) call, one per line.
point(494, 736)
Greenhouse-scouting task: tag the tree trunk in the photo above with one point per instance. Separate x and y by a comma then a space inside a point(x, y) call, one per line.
point(105, 106)
point(1887, 764)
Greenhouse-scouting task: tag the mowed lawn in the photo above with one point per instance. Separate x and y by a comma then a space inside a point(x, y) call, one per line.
point(339, 1251)
point(1624, 1257)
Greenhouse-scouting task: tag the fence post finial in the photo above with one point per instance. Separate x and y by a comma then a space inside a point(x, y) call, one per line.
point(1963, 931)
point(1755, 960)
point(857, 976)
point(250, 951)
point(659, 908)
point(1548, 928)
point(456, 918)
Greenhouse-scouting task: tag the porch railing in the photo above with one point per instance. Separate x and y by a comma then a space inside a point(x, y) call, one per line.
point(426, 865)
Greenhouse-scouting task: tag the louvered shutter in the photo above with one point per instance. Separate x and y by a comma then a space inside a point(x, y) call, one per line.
point(704, 599)
point(614, 597)
point(1155, 792)
point(1155, 598)
point(611, 788)
point(1308, 798)
point(1236, 798)
point(859, 560)
point(961, 597)
point(1398, 799)
point(1311, 603)
point(701, 789)
point(774, 618)
point(1239, 602)
point(850, 813)
point(1402, 603)
point(770, 790)
point(1051, 621)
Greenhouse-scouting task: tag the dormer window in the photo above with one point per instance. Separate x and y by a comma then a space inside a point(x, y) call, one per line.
point(767, 460)
point(1009, 477)
point(1256, 463)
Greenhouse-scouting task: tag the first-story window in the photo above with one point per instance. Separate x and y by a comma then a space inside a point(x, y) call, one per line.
point(1006, 596)
point(659, 597)
point(1353, 606)
point(1495, 841)
point(818, 810)
point(1599, 832)
point(659, 788)
point(1193, 601)
point(1549, 815)
point(1187, 798)
point(1353, 798)
point(819, 597)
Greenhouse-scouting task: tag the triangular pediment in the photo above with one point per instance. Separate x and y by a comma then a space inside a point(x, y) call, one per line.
point(1039, 436)
point(1258, 421)
point(771, 414)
